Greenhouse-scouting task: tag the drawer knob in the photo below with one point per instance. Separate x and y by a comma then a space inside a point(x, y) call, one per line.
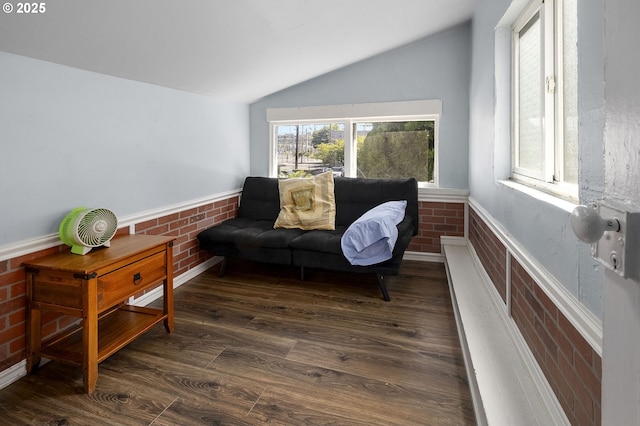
point(137, 278)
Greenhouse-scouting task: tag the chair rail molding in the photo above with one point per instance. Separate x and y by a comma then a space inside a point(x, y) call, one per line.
point(587, 324)
point(21, 248)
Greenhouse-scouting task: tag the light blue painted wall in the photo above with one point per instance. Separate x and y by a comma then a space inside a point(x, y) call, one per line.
point(75, 138)
point(433, 68)
point(542, 229)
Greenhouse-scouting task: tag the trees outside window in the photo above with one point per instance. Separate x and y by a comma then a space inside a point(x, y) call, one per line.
point(386, 149)
point(398, 150)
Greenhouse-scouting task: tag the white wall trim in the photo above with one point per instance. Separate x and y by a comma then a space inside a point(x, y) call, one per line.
point(587, 324)
point(423, 257)
point(453, 241)
point(21, 248)
point(13, 374)
point(443, 195)
point(176, 208)
point(466, 219)
point(378, 110)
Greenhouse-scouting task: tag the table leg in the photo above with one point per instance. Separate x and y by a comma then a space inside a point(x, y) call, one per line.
point(34, 341)
point(168, 305)
point(168, 290)
point(90, 335)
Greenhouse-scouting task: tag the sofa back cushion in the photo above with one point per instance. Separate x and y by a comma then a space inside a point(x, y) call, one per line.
point(354, 196)
point(260, 199)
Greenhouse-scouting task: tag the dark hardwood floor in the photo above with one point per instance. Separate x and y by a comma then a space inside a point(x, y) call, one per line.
point(260, 347)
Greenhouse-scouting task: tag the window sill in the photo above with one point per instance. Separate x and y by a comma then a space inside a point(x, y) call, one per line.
point(566, 203)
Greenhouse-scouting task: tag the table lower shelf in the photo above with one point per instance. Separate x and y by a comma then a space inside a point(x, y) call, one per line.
point(115, 330)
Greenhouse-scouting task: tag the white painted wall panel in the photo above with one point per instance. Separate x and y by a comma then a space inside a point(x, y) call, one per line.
point(76, 138)
point(436, 67)
point(541, 227)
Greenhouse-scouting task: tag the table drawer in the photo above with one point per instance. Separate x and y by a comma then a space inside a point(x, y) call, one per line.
point(57, 288)
point(118, 285)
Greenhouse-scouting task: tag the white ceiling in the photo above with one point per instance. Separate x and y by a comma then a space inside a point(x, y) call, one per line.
point(236, 50)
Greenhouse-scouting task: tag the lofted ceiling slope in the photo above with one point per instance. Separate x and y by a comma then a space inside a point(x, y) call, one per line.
point(236, 50)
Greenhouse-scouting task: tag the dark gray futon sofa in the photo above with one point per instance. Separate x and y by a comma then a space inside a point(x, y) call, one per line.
point(251, 234)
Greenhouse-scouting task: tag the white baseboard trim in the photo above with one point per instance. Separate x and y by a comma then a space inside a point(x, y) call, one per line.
point(453, 241)
point(507, 385)
point(423, 257)
point(13, 373)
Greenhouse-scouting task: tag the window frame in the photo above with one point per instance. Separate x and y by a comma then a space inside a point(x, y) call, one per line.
point(550, 177)
point(350, 114)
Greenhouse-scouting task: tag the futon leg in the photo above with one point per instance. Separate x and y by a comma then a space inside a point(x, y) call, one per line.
point(223, 267)
point(302, 273)
point(383, 287)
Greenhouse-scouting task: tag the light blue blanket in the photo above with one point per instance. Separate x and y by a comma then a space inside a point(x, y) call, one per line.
point(371, 238)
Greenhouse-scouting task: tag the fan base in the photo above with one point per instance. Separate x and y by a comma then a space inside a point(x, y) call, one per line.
point(80, 250)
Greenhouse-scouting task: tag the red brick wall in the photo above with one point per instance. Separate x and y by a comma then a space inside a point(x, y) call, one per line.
point(184, 225)
point(12, 309)
point(491, 252)
point(571, 366)
point(437, 219)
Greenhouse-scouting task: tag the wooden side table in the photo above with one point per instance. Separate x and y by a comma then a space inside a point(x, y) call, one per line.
point(95, 288)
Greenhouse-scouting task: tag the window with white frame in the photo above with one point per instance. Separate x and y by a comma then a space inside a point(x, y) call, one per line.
point(545, 100)
point(383, 140)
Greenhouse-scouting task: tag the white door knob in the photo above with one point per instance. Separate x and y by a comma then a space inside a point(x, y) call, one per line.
point(589, 226)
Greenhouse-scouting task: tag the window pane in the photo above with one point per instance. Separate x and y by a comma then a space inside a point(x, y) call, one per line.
point(570, 91)
point(396, 149)
point(530, 97)
point(309, 148)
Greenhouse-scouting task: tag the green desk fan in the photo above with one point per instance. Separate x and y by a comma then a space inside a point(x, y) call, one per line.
point(84, 228)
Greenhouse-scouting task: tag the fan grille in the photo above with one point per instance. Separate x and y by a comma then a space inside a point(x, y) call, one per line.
point(97, 227)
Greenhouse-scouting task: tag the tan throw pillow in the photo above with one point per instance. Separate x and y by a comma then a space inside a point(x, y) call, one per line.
point(307, 203)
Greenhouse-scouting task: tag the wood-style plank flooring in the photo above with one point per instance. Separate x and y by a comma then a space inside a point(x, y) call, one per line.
point(260, 347)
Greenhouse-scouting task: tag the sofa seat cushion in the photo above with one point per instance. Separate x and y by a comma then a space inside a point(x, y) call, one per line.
point(320, 241)
point(261, 234)
point(249, 232)
point(222, 233)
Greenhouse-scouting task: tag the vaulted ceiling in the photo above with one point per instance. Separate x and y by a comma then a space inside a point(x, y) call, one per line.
point(236, 50)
